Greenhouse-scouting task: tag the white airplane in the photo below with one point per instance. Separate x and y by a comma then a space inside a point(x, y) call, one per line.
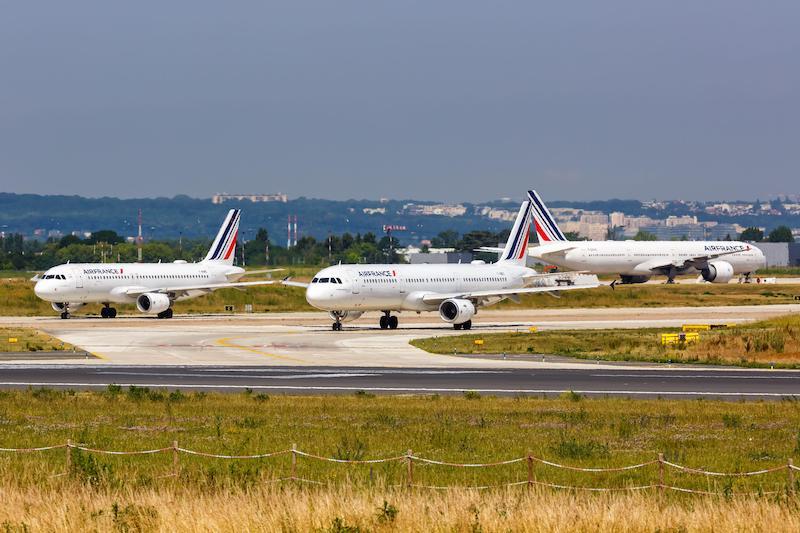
point(638, 261)
point(455, 290)
point(153, 287)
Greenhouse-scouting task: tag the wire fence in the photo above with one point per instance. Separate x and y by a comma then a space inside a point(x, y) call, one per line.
point(410, 460)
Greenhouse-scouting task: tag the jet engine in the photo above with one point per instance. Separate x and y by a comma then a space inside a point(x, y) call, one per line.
point(152, 303)
point(61, 307)
point(345, 316)
point(456, 310)
point(717, 272)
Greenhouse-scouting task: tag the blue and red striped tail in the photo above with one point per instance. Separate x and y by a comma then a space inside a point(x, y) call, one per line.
point(546, 228)
point(516, 249)
point(223, 249)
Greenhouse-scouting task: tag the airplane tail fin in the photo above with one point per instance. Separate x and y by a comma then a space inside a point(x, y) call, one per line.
point(223, 249)
point(546, 228)
point(516, 249)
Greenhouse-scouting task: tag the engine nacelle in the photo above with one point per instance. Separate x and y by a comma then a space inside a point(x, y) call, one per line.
point(626, 280)
point(61, 307)
point(152, 303)
point(345, 316)
point(718, 272)
point(456, 310)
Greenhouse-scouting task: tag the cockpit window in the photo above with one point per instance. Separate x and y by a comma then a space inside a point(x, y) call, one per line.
point(314, 280)
point(339, 281)
point(323, 280)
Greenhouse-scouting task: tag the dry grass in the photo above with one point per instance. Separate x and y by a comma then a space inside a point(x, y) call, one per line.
point(774, 342)
point(105, 493)
point(30, 340)
point(347, 509)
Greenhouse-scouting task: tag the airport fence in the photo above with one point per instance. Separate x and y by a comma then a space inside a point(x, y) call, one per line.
point(661, 465)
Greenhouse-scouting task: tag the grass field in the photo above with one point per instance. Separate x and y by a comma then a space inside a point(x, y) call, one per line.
point(29, 340)
point(130, 492)
point(774, 342)
point(19, 299)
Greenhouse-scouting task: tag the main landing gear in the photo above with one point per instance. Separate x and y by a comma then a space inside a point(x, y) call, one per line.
point(463, 325)
point(165, 314)
point(108, 312)
point(388, 321)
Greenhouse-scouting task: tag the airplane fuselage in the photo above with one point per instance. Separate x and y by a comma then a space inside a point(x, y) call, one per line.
point(402, 287)
point(110, 282)
point(636, 258)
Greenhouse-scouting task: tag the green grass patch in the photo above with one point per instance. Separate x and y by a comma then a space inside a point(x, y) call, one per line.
point(774, 342)
point(715, 435)
point(29, 340)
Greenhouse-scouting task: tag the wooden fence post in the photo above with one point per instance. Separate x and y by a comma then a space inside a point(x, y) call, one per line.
point(530, 469)
point(790, 473)
point(175, 464)
point(294, 461)
point(69, 455)
point(661, 474)
point(409, 469)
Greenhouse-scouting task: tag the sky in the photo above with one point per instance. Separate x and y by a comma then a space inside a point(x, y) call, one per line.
point(442, 100)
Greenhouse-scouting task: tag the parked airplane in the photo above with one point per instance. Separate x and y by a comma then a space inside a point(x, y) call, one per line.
point(455, 290)
point(153, 287)
point(638, 261)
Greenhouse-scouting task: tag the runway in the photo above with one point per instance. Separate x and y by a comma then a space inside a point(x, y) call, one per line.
point(647, 382)
point(305, 339)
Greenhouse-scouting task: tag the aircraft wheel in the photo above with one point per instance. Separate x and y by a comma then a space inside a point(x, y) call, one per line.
point(168, 313)
point(384, 322)
point(112, 312)
point(456, 326)
point(393, 322)
point(467, 325)
point(104, 312)
point(64, 315)
point(337, 326)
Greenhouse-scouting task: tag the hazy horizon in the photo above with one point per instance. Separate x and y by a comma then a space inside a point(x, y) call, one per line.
point(448, 101)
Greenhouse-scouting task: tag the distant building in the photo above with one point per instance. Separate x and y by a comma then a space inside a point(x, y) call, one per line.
point(447, 210)
point(255, 198)
point(438, 259)
point(780, 254)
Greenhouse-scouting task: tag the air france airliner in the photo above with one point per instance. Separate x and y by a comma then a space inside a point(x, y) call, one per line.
point(153, 287)
point(456, 291)
point(638, 261)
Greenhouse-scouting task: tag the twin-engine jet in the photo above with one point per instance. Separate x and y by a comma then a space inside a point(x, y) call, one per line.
point(153, 287)
point(456, 291)
point(638, 261)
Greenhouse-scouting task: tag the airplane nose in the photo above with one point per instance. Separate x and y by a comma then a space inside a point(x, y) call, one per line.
point(40, 290)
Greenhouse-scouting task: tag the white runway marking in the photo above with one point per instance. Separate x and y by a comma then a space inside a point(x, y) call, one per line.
point(412, 390)
point(298, 376)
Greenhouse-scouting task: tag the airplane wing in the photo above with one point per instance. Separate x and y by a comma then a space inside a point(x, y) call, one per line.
point(263, 271)
point(207, 287)
point(291, 283)
point(699, 261)
point(507, 293)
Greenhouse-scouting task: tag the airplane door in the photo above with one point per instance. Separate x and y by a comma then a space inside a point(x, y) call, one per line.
point(355, 285)
point(78, 280)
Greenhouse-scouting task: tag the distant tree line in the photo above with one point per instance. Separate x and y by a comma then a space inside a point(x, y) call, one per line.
point(107, 246)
